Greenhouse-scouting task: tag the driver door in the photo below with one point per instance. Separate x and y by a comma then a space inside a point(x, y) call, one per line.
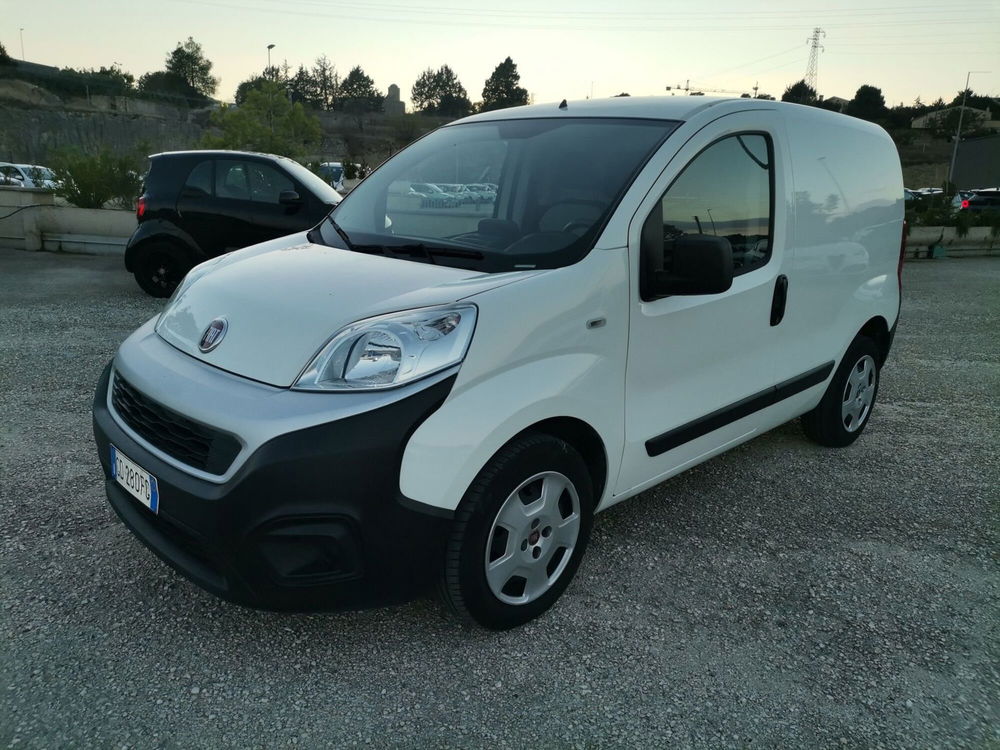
point(696, 363)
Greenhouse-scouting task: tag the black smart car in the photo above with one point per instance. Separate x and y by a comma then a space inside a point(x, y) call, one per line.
point(196, 205)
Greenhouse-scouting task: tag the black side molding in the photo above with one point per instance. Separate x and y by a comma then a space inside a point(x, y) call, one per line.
point(729, 414)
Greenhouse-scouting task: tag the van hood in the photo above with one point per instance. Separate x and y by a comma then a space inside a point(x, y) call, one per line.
point(282, 303)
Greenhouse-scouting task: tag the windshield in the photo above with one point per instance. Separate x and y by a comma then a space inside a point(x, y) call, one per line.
point(314, 183)
point(37, 173)
point(498, 196)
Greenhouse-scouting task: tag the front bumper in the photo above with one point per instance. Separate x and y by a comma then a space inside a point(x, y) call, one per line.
point(312, 520)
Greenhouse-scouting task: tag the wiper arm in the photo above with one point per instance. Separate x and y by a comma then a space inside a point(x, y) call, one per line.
point(454, 252)
point(419, 248)
point(413, 250)
point(340, 231)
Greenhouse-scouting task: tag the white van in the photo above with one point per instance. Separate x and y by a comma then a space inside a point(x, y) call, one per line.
point(411, 396)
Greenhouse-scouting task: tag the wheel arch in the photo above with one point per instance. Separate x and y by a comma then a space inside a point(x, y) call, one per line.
point(160, 231)
point(584, 439)
point(877, 329)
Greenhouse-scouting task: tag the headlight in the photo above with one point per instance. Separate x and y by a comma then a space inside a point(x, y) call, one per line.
point(391, 350)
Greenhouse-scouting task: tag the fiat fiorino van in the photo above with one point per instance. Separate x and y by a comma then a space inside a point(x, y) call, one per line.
point(418, 394)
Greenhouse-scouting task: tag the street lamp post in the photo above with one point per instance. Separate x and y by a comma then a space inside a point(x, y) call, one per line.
point(958, 132)
point(270, 104)
point(22, 43)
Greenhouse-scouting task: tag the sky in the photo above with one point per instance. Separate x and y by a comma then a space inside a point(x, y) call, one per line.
point(570, 49)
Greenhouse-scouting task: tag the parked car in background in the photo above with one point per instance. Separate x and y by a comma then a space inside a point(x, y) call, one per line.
point(434, 196)
point(976, 201)
point(196, 205)
point(484, 192)
point(332, 173)
point(461, 193)
point(29, 175)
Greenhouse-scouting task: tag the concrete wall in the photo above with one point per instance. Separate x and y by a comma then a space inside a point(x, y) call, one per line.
point(31, 134)
point(30, 220)
point(922, 241)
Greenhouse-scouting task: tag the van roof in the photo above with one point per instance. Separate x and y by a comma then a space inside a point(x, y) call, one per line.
point(646, 107)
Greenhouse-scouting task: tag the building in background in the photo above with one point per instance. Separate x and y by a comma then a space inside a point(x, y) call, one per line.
point(392, 104)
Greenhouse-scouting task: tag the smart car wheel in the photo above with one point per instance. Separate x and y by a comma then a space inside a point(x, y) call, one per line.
point(160, 267)
point(520, 533)
point(847, 404)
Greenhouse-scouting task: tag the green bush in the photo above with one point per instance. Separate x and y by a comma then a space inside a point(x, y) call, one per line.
point(98, 180)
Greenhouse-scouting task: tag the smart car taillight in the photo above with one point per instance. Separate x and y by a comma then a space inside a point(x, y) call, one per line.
point(140, 207)
point(965, 204)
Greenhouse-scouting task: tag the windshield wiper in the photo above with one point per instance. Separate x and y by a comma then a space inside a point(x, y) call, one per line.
point(341, 232)
point(412, 250)
point(419, 249)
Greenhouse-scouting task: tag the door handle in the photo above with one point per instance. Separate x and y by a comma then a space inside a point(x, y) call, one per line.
point(778, 301)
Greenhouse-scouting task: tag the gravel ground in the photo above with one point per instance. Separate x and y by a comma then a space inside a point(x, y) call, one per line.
point(781, 595)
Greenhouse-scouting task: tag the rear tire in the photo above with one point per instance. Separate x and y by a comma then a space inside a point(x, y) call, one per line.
point(847, 405)
point(520, 533)
point(160, 267)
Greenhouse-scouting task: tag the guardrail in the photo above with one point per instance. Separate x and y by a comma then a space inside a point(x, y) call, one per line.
point(937, 242)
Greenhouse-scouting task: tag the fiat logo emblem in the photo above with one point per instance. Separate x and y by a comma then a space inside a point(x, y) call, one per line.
point(213, 335)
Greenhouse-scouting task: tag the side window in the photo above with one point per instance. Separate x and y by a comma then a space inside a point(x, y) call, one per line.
point(724, 192)
point(231, 180)
point(199, 182)
point(267, 183)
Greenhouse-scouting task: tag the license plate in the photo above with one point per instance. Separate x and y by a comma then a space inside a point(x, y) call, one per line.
point(139, 482)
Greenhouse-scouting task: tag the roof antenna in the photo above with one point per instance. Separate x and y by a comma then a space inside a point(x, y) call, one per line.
point(562, 104)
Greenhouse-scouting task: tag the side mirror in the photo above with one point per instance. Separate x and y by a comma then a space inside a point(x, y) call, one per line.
point(689, 264)
point(289, 198)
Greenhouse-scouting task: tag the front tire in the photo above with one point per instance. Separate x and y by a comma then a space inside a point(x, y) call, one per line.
point(847, 405)
point(160, 267)
point(520, 533)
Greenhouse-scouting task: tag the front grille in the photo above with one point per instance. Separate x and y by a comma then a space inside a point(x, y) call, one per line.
point(189, 442)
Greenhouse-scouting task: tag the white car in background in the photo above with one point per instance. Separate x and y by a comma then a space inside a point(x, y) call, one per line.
point(29, 175)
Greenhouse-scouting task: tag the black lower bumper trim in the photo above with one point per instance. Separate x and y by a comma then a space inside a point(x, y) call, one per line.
point(313, 521)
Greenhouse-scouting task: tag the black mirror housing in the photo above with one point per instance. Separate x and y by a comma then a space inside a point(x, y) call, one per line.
point(289, 198)
point(692, 264)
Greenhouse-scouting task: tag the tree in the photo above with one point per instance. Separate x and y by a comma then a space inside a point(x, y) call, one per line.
point(169, 85)
point(358, 93)
point(120, 80)
point(867, 104)
point(799, 92)
point(245, 87)
point(440, 92)
point(327, 82)
point(945, 125)
point(189, 63)
point(267, 122)
point(302, 88)
point(973, 99)
point(5, 59)
point(501, 89)
point(624, 93)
